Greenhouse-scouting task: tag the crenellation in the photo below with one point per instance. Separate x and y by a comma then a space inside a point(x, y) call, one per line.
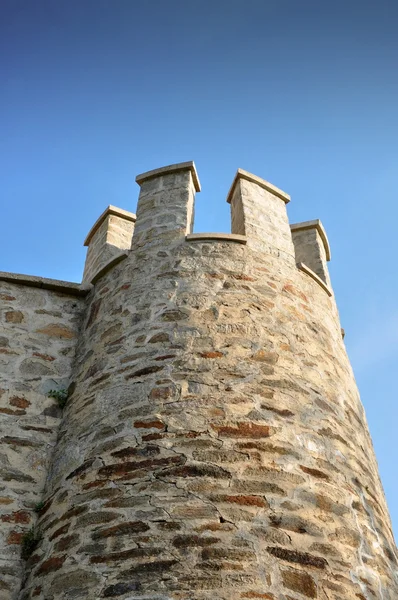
point(110, 235)
point(213, 443)
point(312, 247)
point(165, 210)
point(258, 211)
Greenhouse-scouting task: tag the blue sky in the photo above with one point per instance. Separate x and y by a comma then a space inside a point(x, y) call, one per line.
point(303, 93)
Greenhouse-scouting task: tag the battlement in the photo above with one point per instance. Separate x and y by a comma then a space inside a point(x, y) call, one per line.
point(107, 239)
point(165, 215)
point(185, 422)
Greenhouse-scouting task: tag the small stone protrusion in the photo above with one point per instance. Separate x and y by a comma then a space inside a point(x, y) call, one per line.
point(312, 247)
point(165, 210)
point(258, 211)
point(110, 235)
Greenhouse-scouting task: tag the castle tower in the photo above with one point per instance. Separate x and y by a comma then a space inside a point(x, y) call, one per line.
point(213, 445)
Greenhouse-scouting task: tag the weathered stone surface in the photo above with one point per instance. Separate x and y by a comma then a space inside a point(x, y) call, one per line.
point(56, 330)
point(14, 316)
point(302, 583)
point(34, 364)
point(213, 445)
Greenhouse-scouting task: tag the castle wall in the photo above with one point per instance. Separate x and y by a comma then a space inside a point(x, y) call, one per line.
point(38, 334)
point(214, 446)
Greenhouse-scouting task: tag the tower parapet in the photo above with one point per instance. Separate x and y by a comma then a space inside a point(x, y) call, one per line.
point(258, 210)
point(110, 235)
point(165, 209)
point(213, 444)
point(312, 247)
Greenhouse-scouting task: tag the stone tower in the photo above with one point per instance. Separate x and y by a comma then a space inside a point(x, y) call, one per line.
point(213, 445)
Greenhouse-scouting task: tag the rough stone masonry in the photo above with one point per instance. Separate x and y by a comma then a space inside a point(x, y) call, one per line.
point(213, 445)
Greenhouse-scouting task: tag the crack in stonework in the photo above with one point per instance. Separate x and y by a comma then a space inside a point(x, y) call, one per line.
point(361, 554)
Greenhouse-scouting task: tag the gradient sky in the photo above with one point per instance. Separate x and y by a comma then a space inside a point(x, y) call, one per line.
point(303, 93)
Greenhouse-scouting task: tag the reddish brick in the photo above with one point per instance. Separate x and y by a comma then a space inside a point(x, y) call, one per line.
point(213, 354)
point(60, 531)
point(19, 402)
point(129, 528)
point(145, 451)
point(154, 424)
point(245, 500)
point(52, 564)
point(120, 469)
point(153, 436)
point(299, 582)
point(20, 516)
point(73, 512)
point(288, 287)
point(243, 430)
point(46, 357)
point(15, 537)
point(66, 542)
point(93, 484)
point(161, 393)
point(314, 472)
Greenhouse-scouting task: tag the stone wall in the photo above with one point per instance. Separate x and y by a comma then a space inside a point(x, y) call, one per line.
point(110, 235)
point(214, 446)
point(38, 334)
point(312, 247)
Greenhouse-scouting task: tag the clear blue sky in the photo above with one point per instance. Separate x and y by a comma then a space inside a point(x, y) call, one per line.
point(303, 93)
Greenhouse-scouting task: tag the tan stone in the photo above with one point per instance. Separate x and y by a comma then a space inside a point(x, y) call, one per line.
point(204, 450)
point(14, 316)
point(55, 330)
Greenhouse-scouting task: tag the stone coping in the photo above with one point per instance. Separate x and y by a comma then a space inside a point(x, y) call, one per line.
point(110, 210)
point(190, 165)
point(242, 174)
point(314, 276)
point(109, 266)
point(64, 287)
point(216, 237)
point(315, 224)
